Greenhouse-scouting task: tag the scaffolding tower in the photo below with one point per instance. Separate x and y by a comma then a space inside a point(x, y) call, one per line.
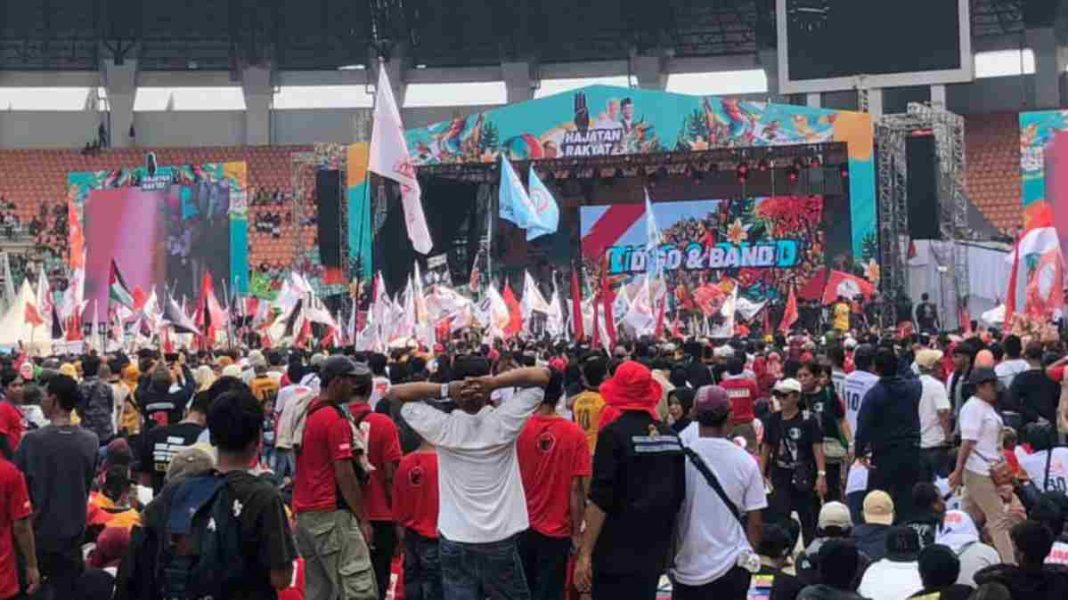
point(891, 135)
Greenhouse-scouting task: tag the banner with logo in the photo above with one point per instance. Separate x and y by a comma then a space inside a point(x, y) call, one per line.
point(603, 120)
point(766, 245)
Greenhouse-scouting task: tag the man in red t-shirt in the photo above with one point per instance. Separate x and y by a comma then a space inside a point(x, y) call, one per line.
point(332, 526)
point(16, 528)
point(10, 415)
point(554, 462)
point(384, 453)
point(743, 393)
point(415, 509)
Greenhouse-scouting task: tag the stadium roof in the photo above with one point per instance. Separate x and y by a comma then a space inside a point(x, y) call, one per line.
point(326, 34)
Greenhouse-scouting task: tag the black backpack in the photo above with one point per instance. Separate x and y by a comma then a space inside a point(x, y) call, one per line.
point(199, 554)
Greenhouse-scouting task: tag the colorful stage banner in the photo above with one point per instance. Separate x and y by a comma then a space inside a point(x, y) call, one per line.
point(603, 120)
point(1044, 164)
point(766, 245)
point(358, 189)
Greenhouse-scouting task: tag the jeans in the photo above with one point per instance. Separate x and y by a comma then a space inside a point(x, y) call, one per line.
point(384, 543)
point(895, 471)
point(422, 567)
point(785, 498)
point(478, 571)
point(733, 585)
point(544, 564)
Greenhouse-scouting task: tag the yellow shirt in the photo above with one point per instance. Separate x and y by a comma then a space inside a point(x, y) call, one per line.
point(587, 409)
point(841, 316)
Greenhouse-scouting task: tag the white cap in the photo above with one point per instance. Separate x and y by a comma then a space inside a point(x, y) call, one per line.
point(788, 385)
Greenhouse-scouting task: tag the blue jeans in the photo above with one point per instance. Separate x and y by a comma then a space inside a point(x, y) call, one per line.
point(478, 571)
point(422, 567)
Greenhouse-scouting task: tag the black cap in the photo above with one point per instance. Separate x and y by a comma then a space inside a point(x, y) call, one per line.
point(339, 365)
point(982, 375)
point(864, 350)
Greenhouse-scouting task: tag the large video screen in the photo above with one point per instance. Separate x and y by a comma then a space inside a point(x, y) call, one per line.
point(764, 244)
point(158, 239)
point(829, 43)
point(164, 227)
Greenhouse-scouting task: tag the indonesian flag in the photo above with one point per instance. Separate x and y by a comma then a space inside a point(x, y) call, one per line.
point(389, 158)
point(118, 292)
point(789, 316)
point(31, 316)
point(1038, 257)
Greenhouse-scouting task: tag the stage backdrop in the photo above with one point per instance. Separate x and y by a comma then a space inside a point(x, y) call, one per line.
point(765, 244)
point(164, 226)
point(1044, 163)
point(603, 120)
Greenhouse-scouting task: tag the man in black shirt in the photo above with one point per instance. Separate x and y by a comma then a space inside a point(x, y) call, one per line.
point(637, 487)
point(1032, 393)
point(267, 547)
point(160, 444)
point(791, 457)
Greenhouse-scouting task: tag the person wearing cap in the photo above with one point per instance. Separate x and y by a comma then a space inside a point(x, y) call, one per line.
point(333, 532)
point(712, 543)
point(870, 536)
point(888, 431)
point(264, 386)
point(835, 523)
point(637, 487)
point(936, 430)
point(482, 507)
point(980, 449)
point(898, 574)
point(792, 459)
point(384, 454)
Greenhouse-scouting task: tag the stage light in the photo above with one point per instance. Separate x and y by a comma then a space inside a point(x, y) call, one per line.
point(742, 172)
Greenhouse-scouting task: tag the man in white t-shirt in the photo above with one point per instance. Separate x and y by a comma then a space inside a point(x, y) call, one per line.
point(935, 410)
point(898, 575)
point(1013, 364)
point(980, 430)
point(856, 386)
point(482, 505)
point(1043, 438)
point(713, 546)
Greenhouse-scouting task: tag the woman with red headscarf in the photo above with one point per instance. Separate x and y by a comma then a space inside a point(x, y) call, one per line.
point(637, 486)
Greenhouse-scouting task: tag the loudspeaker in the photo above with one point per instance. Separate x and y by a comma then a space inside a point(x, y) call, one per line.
point(328, 203)
point(922, 188)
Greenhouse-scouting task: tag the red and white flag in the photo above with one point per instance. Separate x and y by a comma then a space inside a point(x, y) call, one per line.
point(789, 316)
point(389, 158)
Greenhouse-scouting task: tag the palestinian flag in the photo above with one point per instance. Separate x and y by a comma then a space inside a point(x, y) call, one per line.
point(117, 290)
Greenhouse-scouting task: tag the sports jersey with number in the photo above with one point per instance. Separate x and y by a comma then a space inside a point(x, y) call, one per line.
point(856, 387)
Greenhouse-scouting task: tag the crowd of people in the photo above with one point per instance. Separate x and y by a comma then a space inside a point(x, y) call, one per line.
point(847, 465)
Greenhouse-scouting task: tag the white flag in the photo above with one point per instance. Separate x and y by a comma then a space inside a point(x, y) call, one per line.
point(555, 324)
point(533, 301)
point(641, 314)
point(389, 158)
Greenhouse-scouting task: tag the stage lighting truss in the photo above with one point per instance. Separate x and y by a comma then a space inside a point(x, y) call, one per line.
point(891, 134)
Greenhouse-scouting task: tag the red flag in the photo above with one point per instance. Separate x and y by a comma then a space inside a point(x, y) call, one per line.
point(578, 327)
point(1010, 296)
point(515, 317)
point(31, 316)
point(789, 316)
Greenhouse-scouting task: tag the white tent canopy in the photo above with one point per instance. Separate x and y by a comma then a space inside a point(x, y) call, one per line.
point(14, 328)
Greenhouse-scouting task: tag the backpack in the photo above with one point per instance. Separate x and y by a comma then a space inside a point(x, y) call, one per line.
point(199, 553)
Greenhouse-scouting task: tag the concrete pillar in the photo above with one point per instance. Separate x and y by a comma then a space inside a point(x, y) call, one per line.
point(1048, 66)
point(813, 100)
point(121, 84)
point(875, 103)
point(259, 96)
point(938, 96)
point(769, 61)
point(650, 72)
point(517, 81)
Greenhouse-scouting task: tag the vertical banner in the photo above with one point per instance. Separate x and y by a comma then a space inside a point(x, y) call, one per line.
point(358, 189)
